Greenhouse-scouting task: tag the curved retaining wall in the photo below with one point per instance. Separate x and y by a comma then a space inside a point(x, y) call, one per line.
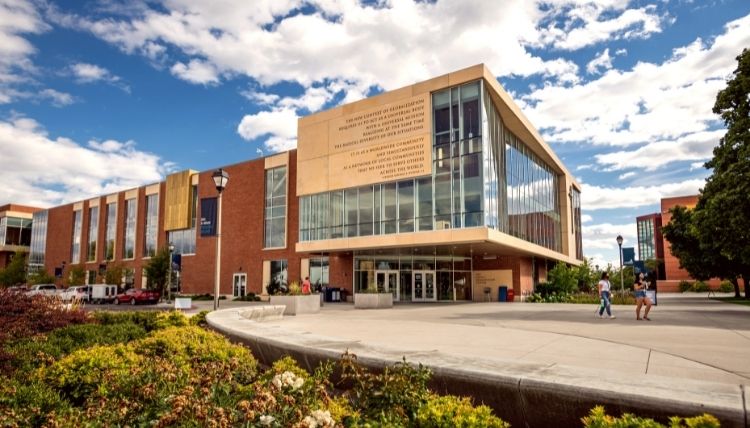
point(524, 394)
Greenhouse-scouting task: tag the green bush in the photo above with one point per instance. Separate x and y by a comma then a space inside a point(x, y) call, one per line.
point(29, 353)
point(562, 278)
point(249, 297)
point(148, 320)
point(685, 286)
point(726, 286)
point(27, 402)
point(599, 419)
point(199, 319)
point(699, 287)
point(450, 411)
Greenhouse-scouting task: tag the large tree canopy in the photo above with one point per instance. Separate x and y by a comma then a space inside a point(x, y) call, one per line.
point(714, 239)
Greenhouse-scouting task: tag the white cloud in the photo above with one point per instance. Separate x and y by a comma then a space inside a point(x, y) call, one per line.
point(697, 165)
point(259, 97)
point(17, 18)
point(664, 106)
point(59, 99)
point(585, 166)
point(603, 60)
point(626, 175)
point(48, 171)
point(196, 71)
point(84, 73)
point(279, 126)
point(653, 156)
point(585, 23)
point(601, 197)
point(603, 236)
point(585, 218)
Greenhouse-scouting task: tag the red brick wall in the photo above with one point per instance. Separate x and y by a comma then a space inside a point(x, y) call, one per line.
point(340, 271)
point(59, 238)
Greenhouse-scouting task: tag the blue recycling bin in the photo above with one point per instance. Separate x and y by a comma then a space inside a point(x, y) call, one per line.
point(502, 293)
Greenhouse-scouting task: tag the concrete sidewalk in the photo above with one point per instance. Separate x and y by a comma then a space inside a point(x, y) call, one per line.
point(693, 355)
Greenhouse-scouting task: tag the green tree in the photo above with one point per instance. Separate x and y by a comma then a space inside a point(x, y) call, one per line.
point(76, 276)
point(723, 209)
point(586, 275)
point(702, 260)
point(563, 277)
point(40, 277)
point(113, 274)
point(157, 270)
point(15, 272)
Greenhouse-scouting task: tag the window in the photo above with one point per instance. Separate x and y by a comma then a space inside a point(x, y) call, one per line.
point(279, 272)
point(111, 231)
point(38, 241)
point(93, 233)
point(75, 252)
point(275, 216)
point(152, 225)
point(15, 231)
point(129, 244)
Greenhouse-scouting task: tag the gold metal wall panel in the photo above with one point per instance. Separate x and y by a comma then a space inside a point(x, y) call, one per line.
point(177, 201)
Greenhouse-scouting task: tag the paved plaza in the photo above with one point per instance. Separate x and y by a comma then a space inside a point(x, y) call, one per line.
point(688, 337)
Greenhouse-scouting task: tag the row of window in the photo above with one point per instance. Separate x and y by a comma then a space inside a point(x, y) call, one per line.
point(646, 241)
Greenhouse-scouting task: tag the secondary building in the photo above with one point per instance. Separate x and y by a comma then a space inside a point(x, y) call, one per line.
point(15, 231)
point(438, 191)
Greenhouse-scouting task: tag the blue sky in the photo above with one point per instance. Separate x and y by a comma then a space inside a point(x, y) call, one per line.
point(97, 96)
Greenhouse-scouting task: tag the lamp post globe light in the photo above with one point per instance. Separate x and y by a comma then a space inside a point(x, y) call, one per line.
point(221, 178)
point(622, 283)
point(169, 278)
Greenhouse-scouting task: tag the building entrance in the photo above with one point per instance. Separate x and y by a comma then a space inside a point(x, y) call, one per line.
point(423, 286)
point(387, 282)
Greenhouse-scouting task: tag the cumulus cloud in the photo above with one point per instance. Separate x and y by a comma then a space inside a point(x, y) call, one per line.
point(196, 71)
point(84, 73)
point(40, 170)
point(17, 18)
point(662, 107)
point(279, 126)
point(602, 61)
point(626, 175)
point(605, 197)
point(59, 99)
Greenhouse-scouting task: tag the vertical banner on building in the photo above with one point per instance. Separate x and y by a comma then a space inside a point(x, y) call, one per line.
point(208, 217)
point(628, 256)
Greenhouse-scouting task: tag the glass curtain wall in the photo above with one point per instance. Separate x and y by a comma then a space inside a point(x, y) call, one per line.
point(275, 215)
point(646, 246)
point(38, 241)
point(111, 231)
point(75, 252)
point(575, 197)
point(15, 231)
point(521, 189)
point(152, 225)
point(93, 233)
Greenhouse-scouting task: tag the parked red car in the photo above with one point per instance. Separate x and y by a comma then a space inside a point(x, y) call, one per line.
point(137, 295)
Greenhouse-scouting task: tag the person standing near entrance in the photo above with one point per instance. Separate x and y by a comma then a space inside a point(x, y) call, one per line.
point(641, 298)
point(306, 285)
point(604, 296)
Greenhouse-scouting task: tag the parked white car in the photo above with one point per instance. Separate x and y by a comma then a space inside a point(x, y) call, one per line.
point(44, 289)
point(78, 292)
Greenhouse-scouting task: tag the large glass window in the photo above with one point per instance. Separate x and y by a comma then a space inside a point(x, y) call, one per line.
point(15, 231)
point(184, 239)
point(646, 241)
point(319, 272)
point(38, 241)
point(275, 217)
point(93, 233)
point(129, 244)
point(576, 206)
point(75, 252)
point(111, 231)
point(152, 225)
point(279, 272)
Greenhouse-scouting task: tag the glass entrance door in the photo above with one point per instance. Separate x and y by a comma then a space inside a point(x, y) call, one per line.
point(387, 281)
point(239, 285)
point(423, 286)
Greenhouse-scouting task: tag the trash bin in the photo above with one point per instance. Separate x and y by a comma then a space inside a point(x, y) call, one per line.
point(510, 295)
point(336, 294)
point(502, 293)
point(327, 292)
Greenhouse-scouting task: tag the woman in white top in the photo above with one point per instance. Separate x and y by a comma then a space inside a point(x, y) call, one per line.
point(604, 296)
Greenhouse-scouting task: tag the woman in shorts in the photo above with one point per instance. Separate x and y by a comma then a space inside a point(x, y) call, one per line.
point(640, 298)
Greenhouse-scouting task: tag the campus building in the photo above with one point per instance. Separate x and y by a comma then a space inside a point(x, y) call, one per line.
point(651, 241)
point(442, 190)
point(15, 231)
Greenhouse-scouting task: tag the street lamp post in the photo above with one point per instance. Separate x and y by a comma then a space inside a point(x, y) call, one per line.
point(169, 280)
point(221, 178)
point(622, 282)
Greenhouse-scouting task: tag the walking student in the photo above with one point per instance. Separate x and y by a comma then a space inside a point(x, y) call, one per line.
point(641, 298)
point(604, 296)
point(306, 285)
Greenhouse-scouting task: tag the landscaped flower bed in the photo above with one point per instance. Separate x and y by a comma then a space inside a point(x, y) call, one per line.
point(162, 369)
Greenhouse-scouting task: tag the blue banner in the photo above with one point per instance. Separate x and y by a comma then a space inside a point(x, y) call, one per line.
point(628, 256)
point(208, 217)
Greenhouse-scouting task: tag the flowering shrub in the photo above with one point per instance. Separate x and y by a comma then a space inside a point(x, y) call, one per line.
point(24, 316)
point(455, 412)
point(599, 419)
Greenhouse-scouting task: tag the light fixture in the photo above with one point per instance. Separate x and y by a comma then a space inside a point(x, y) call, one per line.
point(221, 178)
